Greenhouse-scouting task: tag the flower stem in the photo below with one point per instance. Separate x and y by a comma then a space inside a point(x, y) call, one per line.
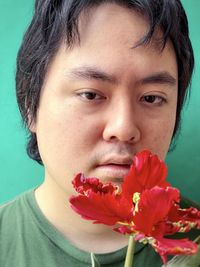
point(130, 252)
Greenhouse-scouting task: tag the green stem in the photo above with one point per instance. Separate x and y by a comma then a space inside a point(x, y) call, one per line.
point(94, 261)
point(130, 252)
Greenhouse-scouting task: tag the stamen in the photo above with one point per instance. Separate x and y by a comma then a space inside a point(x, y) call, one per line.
point(136, 199)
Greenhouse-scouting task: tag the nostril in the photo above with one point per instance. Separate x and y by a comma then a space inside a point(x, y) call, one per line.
point(120, 131)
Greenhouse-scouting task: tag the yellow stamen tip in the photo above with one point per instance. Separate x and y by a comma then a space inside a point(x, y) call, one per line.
point(136, 197)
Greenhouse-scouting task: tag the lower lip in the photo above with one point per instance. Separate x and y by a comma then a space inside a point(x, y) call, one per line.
point(113, 171)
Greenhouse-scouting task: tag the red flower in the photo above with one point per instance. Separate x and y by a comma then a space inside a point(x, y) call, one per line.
point(146, 206)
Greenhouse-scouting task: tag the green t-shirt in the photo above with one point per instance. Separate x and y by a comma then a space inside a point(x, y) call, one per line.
point(28, 239)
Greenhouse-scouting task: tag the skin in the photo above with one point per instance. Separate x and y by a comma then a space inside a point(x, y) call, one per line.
point(102, 101)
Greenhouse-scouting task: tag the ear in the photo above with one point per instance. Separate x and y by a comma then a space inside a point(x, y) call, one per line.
point(31, 123)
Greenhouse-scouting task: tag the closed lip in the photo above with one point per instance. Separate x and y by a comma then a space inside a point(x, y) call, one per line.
point(115, 168)
point(116, 161)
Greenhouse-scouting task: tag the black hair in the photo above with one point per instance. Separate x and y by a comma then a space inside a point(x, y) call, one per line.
point(57, 20)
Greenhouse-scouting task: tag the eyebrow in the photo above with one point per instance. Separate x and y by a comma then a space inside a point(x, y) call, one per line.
point(93, 73)
point(159, 78)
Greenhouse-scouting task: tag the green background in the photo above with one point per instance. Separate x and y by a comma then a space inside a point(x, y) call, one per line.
point(18, 172)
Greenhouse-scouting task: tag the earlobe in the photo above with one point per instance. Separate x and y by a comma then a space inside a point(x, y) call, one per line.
point(32, 127)
point(31, 124)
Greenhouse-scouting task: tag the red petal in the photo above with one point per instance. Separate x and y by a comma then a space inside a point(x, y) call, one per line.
point(102, 208)
point(146, 172)
point(82, 185)
point(165, 246)
point(190, 216)
point(153, 208)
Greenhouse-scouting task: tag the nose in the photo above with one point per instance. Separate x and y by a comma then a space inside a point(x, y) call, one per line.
point(122, 125)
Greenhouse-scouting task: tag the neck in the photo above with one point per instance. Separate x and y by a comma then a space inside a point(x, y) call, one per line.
point(96, 238)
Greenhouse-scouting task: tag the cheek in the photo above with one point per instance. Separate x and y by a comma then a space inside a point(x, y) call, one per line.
point(65, 137)
point(161, 135)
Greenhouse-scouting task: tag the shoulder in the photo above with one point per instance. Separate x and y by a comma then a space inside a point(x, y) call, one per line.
point(12, 211)
point(9, 205)
point(7, 208)
point(13, 219)
point(14, 222)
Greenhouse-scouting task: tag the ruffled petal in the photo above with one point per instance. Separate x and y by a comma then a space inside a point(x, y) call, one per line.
point(153, 208)
point(165, 246)
point(102, 208)
point(185, 219)
point(146, 172)
point(82, 185)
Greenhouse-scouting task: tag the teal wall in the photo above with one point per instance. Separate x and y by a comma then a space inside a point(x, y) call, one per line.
point(18, 172)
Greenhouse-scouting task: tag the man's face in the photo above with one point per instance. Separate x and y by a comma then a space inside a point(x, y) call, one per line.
point(103, 100)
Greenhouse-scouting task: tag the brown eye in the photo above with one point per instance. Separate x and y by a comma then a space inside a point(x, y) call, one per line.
point(150, 98)
point(153, 99)
point(89, 95)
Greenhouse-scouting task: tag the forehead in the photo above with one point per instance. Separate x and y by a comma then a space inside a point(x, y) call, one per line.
point(109, 35)
point(109, 17)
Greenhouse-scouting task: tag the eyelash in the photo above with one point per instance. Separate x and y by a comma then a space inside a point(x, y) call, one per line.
point(148, 99)
point(87, 94)
point(152, 100)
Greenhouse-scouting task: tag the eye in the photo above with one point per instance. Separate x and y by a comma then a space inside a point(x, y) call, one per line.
point(153, 99)
point(89, 95)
